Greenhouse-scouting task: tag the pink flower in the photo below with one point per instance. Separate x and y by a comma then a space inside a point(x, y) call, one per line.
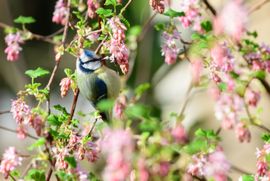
point(169, 48)
point(65, 86)
point(157, 5)
point(60, 12)
point(192, 16)
point(143, 171)
point(10, 161)
point(21, 112)
point(217, 166)
point(162, 168)
point(197, 68)
point(262, 168)
point(60, 154)
point(179, 133)
point(242, 132)
point(196, 168)
point(13, 41)
point(253, 97)
point(93, 5)
point(118, 146)
point(118, 49)
point(120, 106)
point(235, 11)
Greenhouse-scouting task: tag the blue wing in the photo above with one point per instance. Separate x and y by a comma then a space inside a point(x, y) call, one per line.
point(101, 91)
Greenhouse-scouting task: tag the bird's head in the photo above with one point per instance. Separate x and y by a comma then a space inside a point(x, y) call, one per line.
point(88, 61)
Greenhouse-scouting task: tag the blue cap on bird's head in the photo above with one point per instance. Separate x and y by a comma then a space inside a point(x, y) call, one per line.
point(88, 56)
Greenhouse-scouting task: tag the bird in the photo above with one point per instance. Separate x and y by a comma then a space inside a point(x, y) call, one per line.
point(95, 80)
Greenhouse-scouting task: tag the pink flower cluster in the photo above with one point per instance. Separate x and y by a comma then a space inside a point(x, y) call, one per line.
point(13, 41)
point(179, 133)
point(213, 165)
point(263, 171)
point(93, 5)
point(169, 48)
point(10, 161)
point(119, 106)
point(118, 146)
point(88, 151)
point(157, 5)
point(228, 109)
point(233, 10)
point(60, 12)
point(24, 117)
point(192, 16)
point(253, 97)
point(117, 47)
point(65, 85)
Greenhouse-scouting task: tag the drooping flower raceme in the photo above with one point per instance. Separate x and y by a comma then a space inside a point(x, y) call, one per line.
point(93, 5)
point(10, 161)
point(192, 17)
point(169, 47)
point(158, 5)
point(117, 47)
point(233, 10)
point(13, 41)
point(60, 12)
point(118, 146)
point(262, 163)
point(65, 86)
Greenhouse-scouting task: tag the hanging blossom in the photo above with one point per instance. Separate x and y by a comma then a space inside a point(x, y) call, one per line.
point(60, 12)
point(263, 170)
point(179, 133)
point(117, 47)
point(65, 85)
point(169, 48)
point(13, 41)
point(213, 165)
point(242, 132)
point(10, 161)
point(253, 97)
point(119, 106)
point(192, 17)
point(118, 146)
point(158, 5)
point(233, 10)
point(93, 5)
point(144, 174)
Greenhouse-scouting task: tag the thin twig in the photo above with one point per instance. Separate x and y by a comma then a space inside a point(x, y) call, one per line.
point(5, 112)
point(73, 106)
point(92, 128)
point(258, 6)
point(125, 7)
point(55, 33)
point(210, 7)
point(183, 107)
point(146, 27)
point(14, 131)
point(28, 167)
point(240, 170)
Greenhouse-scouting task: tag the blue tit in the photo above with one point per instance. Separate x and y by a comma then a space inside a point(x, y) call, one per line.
point(95, 80)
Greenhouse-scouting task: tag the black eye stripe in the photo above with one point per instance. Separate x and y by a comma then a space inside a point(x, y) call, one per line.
point(91, 60)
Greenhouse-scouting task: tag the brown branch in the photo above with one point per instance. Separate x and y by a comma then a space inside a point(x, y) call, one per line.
point(14, 131)
point(92, 128)
point(210, 7)
point(240, 170)
point(266, 85)
point(73, 106)
point(258, 6)
point(5, 112)
point(146, 27)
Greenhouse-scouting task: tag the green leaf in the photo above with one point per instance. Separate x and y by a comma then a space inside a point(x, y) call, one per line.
point(24, 20)
point(105, 105)
point(38, 143)
point(160, 26)
point(60, 108)
point(266, 137)
point(254, 34)
point(196, 146)
point(207, 26)
point(53, 120)
point(141, 89)
point(71, 161)
point(222, 86)
point(125, 21)
point(247, 178)
point(93, 177)
point(137, 111)
point(259, 74)
point(208, 134)
point(149, 125)
point(64, 176)
point(110, 2)
point(135, 30)
point(39, 72)
point(172, 13)
point(36, 175)
point(68, 72)
point(104, 12)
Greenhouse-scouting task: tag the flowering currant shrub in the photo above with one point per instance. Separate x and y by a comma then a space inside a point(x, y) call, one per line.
point(135, 144)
